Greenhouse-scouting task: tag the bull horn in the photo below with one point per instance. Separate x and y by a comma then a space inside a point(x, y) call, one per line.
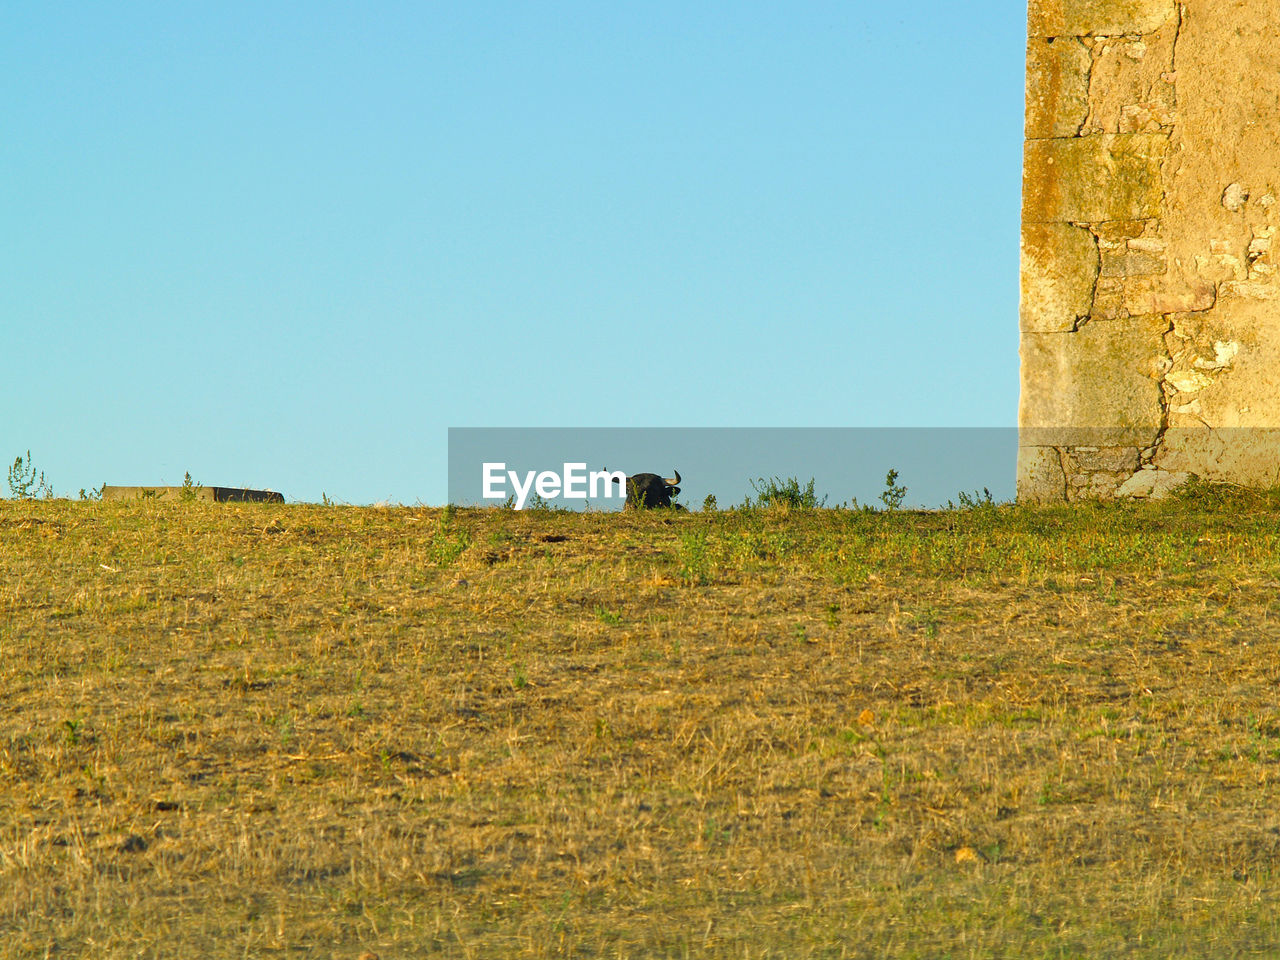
point(672, 483)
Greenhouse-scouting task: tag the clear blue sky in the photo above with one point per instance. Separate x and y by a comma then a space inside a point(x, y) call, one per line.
point(289, 245)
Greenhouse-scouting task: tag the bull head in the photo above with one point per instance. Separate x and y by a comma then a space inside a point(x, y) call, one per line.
point(649, 490)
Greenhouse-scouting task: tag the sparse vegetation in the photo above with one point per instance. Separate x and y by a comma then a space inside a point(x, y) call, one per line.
point(25, 482)
point(777, 492)
point(190, 489)
point(894, 492)
point(973, 501)
point(304, 731)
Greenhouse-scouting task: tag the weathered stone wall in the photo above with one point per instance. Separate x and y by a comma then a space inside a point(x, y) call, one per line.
point(1150, 318)
point(212, 494)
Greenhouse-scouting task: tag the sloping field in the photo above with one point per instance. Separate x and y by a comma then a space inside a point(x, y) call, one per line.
point(308, 731)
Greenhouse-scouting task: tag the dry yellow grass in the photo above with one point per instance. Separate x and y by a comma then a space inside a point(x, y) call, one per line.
point(305, 731)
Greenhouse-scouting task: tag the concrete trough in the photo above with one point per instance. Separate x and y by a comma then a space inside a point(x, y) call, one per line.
point(213, 494)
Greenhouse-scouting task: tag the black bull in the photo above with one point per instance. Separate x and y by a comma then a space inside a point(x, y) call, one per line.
point(648, 490)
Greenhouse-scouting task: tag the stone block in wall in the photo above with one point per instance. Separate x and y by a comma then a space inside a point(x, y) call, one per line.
point(1131, 83)
point(1108, 299)
point(1225, 367)
point(1105, 459)
point(1059, 271)
point(1095, 486)
point(1130, 264)
point(1078, 18)
point(1242, 455)
point(1152, 484)
point(1250, 290)
point(1057, 87)
point(1096, 473)
point(1089, 179)
point(1040, 476)
point(1117, 231)
point(1099, 386)
point(1168, 295)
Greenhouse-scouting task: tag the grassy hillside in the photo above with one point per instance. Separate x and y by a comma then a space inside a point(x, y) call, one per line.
point(314, 731)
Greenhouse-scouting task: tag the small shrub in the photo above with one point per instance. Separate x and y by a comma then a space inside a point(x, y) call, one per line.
point(709, 504)
point(893, 493)
point(190, 490)
point(446, 546)
point(973, 501)
point(694, 561)
point(25, 483)
point(1215, 494)
point(778, 492)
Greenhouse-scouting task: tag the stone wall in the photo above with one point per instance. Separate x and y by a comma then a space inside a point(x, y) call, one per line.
point(1150, 316)
point(201, 492)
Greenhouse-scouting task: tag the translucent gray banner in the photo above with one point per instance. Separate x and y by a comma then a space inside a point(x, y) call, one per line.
point(494, 465)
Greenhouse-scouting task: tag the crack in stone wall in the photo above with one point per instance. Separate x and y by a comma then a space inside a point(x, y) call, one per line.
point(1146, 244)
